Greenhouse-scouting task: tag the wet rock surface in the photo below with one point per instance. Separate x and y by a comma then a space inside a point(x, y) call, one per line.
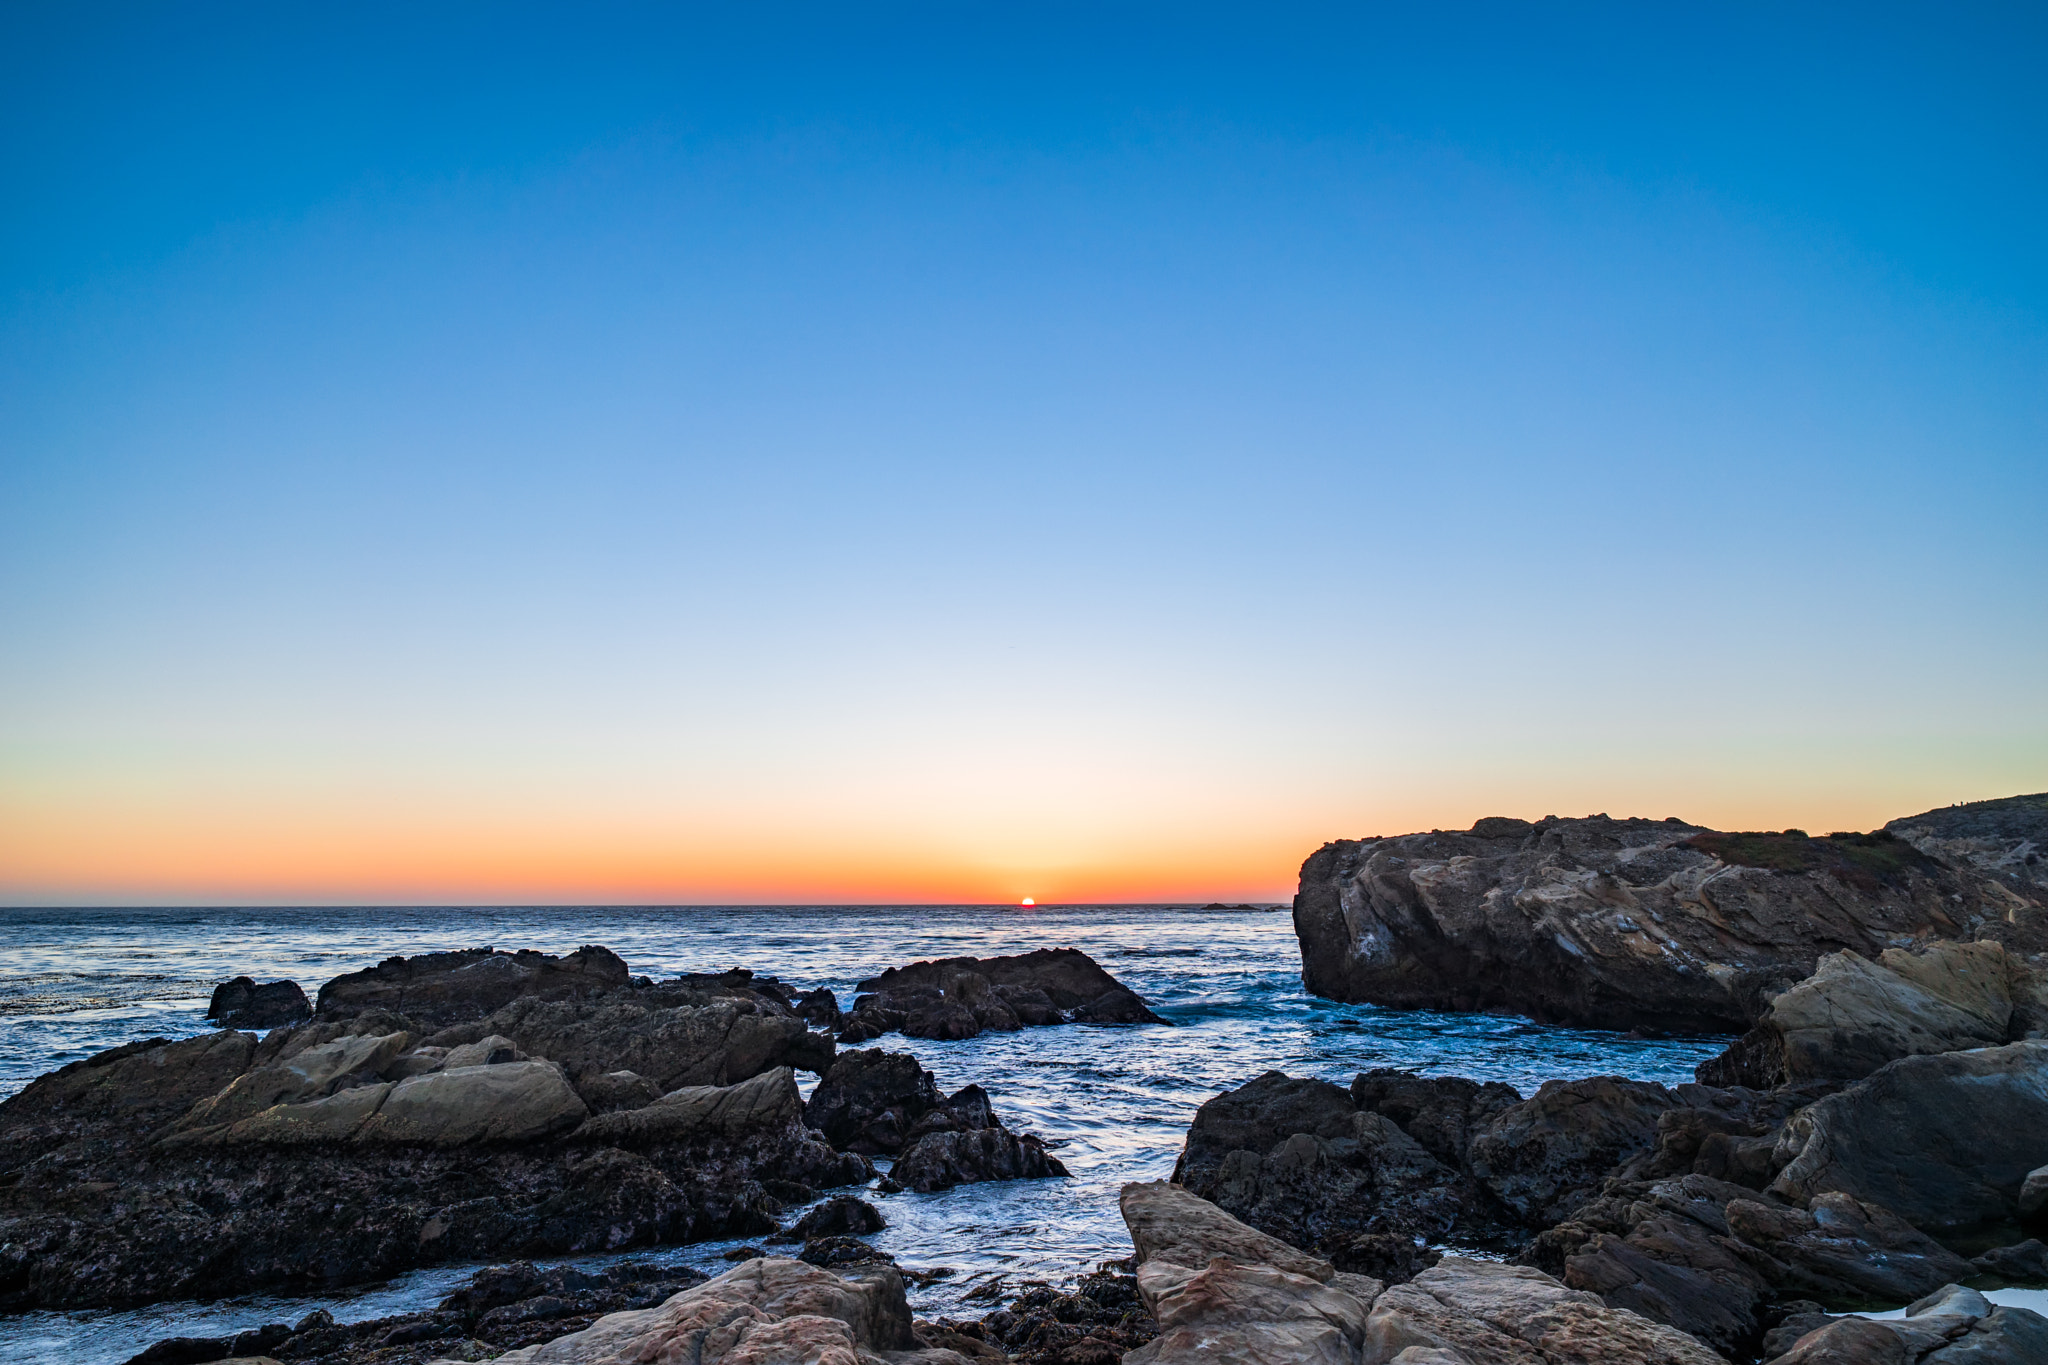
point(960, 997)
point(501, 1308)
point(1648, 923)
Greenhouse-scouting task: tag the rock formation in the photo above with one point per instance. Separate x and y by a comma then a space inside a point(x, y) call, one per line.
point(959, 997)
point(1654, 923)
point(761, 1311)
point(1222, 1291)
point(881, 1103)
point(568, 1109)
point(241, 1003)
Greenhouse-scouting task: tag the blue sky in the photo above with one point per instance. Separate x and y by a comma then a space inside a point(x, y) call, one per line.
point(948, 451)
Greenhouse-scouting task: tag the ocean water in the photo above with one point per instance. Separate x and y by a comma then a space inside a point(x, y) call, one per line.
point(1114, 1102)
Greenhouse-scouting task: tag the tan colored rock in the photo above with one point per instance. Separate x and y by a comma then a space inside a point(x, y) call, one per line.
point(1852, 1016)
point(1169, 1224)
point(307, 1075)
point(1496, 1314)
point(494, 1050)
point(334, 1119)
point(769, 1311)
point(455, 1107)
point(1248, 1315)
point(725, 1112)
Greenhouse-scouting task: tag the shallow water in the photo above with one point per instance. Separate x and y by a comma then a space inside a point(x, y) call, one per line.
point(1116, 1101)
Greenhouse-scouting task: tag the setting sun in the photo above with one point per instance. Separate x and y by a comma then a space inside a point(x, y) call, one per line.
point(1027, 901)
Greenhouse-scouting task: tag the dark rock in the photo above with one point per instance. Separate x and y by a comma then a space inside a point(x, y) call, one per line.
point(1549, 1153)
point(841, 1217)
point(1093, 1322)
point(1943, 1141)
point(1298, 1159)
point(2022, 1263)
point(241, 1003)
point(941, 1160)
point(102, 1212)
point(1848, 1341)
point(869, 1101)
point(1391, 1258)
point(960, 997)
point(820, 1008)
point(1840, 1250)
point(1628, 924)
point(438, 989)
point(835, 1251)
point(502, 1307)
point(1440, 1112)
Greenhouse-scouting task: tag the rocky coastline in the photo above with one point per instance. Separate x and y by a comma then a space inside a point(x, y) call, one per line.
point(1875, 1133)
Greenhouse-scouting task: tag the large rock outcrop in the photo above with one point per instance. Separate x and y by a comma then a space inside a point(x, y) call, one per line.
point(1645, 923)
point(160, 1170)
point(959, 997)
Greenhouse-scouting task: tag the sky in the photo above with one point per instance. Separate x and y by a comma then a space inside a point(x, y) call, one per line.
point(957, 452)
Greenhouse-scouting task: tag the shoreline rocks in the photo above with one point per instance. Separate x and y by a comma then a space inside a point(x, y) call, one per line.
point(1652, 924)
point(591, 1113)
point(960, 997)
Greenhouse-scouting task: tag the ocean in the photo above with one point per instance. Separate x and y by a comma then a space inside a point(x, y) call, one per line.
point(1114, 1102)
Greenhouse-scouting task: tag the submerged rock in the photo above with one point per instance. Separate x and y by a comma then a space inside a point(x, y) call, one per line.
point(1634, 923)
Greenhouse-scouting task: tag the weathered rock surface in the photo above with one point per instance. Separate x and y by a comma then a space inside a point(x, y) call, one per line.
point(1253, 1299)
point(1852, 1015)
point(1169, 1222)
point(170, 1170)
point(769, 1311)
point(1946, 1142)
point(1297, 1158)
point(437, 989)
point(1548, 1154)
point(1493, 1314)
point(1636, 923)
point(1952, 1326)
point(869, 1101)
point(241, 1003)
point(959, 997)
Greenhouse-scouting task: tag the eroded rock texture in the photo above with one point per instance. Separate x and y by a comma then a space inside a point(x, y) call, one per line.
point(1651, 923)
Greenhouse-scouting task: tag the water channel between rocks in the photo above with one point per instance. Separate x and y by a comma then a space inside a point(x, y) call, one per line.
point(1116, 1101)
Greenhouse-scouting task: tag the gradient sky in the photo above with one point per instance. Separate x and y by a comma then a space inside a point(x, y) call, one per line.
point(933, 452)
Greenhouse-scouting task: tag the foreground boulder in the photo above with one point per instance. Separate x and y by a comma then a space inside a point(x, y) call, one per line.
point(762, 1311)
point(959, 997)
point(1484, 1312)
point(1636, 923)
